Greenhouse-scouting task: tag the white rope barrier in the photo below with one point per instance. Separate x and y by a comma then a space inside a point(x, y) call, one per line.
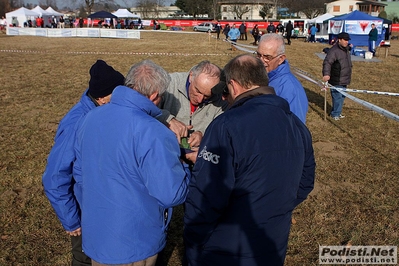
point(249, 49)
point(111, 53)
point(368, 105)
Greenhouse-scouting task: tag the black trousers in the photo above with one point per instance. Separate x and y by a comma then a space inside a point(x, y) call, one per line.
point(79, 258)
point(289, 38)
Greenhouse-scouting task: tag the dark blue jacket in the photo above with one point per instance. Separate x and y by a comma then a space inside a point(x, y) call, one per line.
point(254, 166)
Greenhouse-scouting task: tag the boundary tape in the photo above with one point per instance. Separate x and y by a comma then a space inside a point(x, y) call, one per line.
point(302, 74)
point(113, 53)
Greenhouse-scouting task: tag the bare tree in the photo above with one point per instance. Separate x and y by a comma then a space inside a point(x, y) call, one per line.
point(215, 9)
point(147, 8)
point(88, 5)
point(239, 10)
point(4, 7)
point(264, 12)
point(47, 3)
point(275, 7)
point(311, 8)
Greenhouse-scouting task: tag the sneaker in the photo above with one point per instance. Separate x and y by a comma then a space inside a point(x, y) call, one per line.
point(341, 116)
point(336, 117)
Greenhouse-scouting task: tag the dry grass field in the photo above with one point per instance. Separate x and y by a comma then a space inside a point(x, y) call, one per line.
point(356, 195)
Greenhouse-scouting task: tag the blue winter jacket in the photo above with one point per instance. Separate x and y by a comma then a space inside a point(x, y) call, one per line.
point(255, 165)
point(128, 166)
point(58, 182)
point(288, 86)
point(234, 33)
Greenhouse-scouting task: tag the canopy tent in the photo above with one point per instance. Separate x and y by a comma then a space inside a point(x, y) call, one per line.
point(102, 14)
point(44, 14)
point(322, 24)
point(22, 15)
point(124, 13)
point(321, 18)
point(358, 25)
point(53, 12)
point(41, 11)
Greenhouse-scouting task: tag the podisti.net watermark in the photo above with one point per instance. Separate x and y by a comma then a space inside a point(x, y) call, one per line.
point(358, 255)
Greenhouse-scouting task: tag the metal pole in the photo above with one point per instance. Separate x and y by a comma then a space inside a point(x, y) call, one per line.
point(325, 104)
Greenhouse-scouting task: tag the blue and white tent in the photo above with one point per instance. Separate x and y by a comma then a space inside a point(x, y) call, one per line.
point(358, 25)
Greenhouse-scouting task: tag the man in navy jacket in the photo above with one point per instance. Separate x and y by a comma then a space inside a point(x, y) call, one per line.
point(255, 165)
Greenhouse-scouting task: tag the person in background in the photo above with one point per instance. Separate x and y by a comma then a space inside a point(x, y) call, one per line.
point(242, 192)
point(280, 28)
point(288, 29)
point(313, 31)
point(255, 34)
point(271, 28)
point(218, 29)
point(38, 22)
point(226, 31)
point(71, 22)
point(242, 30)
point(129, 170)
point(15, 22)
point(81, 21)
point(271, 50)
point(373, 35)
point(234, 34)
point(58, 180)
point(62, 22)
point(337, 70)
point(188, 105)
point(3, 23)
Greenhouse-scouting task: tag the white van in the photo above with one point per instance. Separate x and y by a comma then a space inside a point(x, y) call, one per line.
point(301, 27)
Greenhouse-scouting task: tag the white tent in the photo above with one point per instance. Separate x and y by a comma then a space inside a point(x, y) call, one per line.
point(321, 18)
point(44, 14)
point(323, 27)
point(53, 12)
point(124, 13)
point(22, 15)
point(41, 11)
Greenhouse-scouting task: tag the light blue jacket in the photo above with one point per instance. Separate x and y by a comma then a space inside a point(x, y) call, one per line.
point(288, 87)
point(234, 33)
point(57, 179)
point(313, 30)
point(128, 166)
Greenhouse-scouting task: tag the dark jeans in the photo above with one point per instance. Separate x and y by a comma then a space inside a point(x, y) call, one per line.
point(78, 256)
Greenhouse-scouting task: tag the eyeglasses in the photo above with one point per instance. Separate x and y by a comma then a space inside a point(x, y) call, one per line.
point(225, 91)
point(266, 57)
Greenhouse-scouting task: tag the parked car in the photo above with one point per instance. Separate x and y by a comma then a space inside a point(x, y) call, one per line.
point(206, 27)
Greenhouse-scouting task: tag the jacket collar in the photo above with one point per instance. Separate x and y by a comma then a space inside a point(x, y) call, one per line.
point(253, 93)
point(281, 69)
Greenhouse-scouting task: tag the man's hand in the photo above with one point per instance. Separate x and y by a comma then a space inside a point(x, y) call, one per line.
point(180, 129)
point(192, 156)
point(326, 78)
point(76, 232)
point(195, 139)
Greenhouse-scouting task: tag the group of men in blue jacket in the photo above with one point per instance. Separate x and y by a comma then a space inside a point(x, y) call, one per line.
point(115, 172)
